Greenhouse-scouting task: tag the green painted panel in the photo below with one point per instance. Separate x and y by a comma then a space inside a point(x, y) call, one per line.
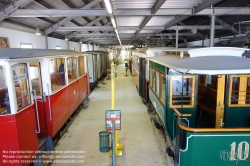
point(158, 106)
point(233, 114)
point(157, 66)
point(214, 149)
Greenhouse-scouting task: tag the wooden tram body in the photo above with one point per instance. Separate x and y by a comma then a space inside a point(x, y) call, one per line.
point(202, 102)
point(97, 65)
point(140, 68)
point(40, 90)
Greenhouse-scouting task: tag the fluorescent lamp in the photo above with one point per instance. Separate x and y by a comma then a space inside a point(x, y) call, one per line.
point(113, 22)
point(108, 6)
point(80, 41)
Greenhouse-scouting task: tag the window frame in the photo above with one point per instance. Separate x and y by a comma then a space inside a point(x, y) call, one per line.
point(243, 80)
point(191, 105)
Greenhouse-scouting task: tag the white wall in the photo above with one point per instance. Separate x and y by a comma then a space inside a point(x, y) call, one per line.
point(199, 43)
point(74, 45)
point(17, 37)
point(84, 47)
point(52, 43)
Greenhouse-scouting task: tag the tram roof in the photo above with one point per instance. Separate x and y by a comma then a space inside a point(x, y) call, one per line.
point(17, 53)
point(210, 64)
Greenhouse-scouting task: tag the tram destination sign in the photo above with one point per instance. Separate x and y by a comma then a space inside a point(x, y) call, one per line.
point(113, 115)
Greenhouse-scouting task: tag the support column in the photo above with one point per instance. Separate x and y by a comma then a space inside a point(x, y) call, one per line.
point(176, 36)
point(212, 30)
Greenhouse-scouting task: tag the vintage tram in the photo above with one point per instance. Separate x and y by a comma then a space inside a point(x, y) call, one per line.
point(201, 100)
point(40, 91)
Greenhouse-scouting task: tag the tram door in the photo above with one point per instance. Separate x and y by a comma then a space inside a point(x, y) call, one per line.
point(142, 79)
point(220, 103)
point(36, 84)
point(211, 99)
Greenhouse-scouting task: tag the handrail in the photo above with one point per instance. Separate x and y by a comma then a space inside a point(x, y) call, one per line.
point(50, 113)
point(181, 115)
point(37, 116)
point(214, 129)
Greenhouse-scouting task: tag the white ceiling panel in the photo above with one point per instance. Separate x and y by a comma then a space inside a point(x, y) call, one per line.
point(127, 31)
point(180, 3)
point(159, 20)
point(128, 4)
point(129, 21)
point(147, 31)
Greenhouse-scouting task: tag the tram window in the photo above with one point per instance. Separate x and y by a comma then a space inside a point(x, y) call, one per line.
point(57, 73)
point(212, 81)
point(71, 67)
point(182, 91)
point(248, 91)
point(239, 90)
point(81, 66)
point(4, 95)
point(153, 79)
point(150, 76)
point(157, 83)
point(162, 89)
point(21, 85)
point(35, 79)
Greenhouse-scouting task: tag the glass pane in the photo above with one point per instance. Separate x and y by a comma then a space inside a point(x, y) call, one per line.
point(81, 66)
point(248, 91)
point(182, 91)
point(235, 90)
point(35, 79)
point(4, 95)
point(57, 73)
point(21, 85)
point(163, 85)
point(157, 81)
point(153, 80)
point(71, 67)
point(150, 77)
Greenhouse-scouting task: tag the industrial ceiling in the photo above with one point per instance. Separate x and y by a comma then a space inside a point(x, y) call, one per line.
point(138, 22)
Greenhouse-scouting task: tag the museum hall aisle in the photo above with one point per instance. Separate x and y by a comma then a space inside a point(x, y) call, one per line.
point(140, 146)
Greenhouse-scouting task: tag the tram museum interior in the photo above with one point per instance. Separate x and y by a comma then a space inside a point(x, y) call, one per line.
point(118, 27)
point(126, 23)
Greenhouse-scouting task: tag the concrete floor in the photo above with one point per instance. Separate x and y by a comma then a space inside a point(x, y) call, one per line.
point(140, 147)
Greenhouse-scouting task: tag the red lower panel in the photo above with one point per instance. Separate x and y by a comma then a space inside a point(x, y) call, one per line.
point(74, 90)
point(57, 114)
point(18, 135)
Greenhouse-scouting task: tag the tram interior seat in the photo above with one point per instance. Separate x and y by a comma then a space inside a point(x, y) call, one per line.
point(208, 101)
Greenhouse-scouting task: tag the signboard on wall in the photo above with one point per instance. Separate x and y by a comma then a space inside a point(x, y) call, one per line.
point(113, 115)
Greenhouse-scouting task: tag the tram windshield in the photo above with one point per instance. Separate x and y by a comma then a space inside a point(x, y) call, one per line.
point(72, 68)
point(4, 95)
point(20, 79)
point(57, 73)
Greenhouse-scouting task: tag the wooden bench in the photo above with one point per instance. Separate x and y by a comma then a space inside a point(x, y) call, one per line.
point(208, 100)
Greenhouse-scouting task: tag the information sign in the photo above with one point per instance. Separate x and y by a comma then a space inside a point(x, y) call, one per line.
point(113, 115)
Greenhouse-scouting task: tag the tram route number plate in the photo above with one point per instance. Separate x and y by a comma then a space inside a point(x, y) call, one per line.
point(113, 115)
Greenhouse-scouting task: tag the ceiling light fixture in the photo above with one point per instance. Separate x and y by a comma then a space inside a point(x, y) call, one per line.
point(38, 31)
point(66, 38)
point(194, 30)
point(80, 41)
point(108, 6)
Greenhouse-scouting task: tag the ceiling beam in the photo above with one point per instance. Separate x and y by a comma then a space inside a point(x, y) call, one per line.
point(89, 24)
point(64, 20)
point(4, 13)
point(111, 28)
point(126, 12)
point(154, 9)
point(226, 25)
point(196, 9)
point(132, 34)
